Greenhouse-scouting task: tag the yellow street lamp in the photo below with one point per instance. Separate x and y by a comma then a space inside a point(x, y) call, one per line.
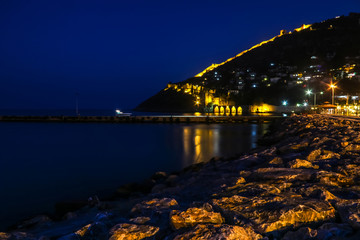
point(332, 86)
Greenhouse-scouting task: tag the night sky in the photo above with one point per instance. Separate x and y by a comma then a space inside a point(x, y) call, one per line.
point(118, 53)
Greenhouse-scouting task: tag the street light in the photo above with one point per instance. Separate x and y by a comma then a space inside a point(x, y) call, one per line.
point(332, 86)
point(309, 92)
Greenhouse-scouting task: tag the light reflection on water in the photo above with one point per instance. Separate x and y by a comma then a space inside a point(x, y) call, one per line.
point(202, 142)
point(41, 164)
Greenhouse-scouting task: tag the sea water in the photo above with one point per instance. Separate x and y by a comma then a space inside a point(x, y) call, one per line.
point(45, 163)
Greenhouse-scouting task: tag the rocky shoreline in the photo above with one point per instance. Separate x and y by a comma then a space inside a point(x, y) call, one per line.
point(303, 185)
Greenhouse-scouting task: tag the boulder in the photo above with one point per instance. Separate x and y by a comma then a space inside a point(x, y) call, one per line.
point(350, 213)
point(209, 231)
point(194, 216)
point(334, 179)
point(326, 232)
point(304, 233)
point(299, 163)
point(329, 154)
point(16, 236)
point(276, 161)
point(140, 220)
point(155, 204)
point(313, 155)
point(273, 213)
point(125, 231)
point(353, 148)
point(97, 230)
point(284, 174)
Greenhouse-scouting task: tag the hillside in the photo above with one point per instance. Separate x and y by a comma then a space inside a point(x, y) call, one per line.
point(281, 68)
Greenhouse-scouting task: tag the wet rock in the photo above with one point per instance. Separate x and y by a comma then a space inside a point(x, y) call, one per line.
point(329, 154)
point(317, 193)
point(140, 220)
point(92, 231)
point(350, 213)
point(326, 232)
point(125, 231)
point(276, 161)
point(334, 230)
point(275, 213)
point(285, 174)
point(299, 163)
point(314, 155)
point(194, 216)
point(240, 180)
point(155, 204)
point(334, 179)
point(202, 232)
point(17, 236)
point(353, 148)
point(304, 233)
point(4, 236)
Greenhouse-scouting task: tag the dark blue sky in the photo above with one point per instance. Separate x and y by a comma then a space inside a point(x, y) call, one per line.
point(118, 53)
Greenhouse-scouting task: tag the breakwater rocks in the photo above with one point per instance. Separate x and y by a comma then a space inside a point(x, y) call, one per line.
point(303, 185)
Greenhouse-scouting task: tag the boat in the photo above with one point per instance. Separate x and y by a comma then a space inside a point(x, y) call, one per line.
point(119, 113)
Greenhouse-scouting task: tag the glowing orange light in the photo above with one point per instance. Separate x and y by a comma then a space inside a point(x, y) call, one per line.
point(214, 65)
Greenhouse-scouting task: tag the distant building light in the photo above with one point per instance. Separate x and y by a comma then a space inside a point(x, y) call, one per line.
point(272, 64)
point(305, 104)
point(254, 85)
point(284, 103)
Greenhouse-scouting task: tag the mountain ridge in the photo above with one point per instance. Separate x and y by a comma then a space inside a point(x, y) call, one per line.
point(273, 70)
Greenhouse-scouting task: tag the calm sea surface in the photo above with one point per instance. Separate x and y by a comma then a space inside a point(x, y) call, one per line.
point(44, 163)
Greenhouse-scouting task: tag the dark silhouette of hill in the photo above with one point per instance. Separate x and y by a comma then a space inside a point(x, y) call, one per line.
point(317, 53)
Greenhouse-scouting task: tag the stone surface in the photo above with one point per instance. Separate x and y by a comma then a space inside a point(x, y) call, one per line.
point(270, 214)
point(202, 232)
point(155, 204)
point(298, 163)
point(193, 216)
point(127, 231)
point(93, 231)
point(350, 213)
